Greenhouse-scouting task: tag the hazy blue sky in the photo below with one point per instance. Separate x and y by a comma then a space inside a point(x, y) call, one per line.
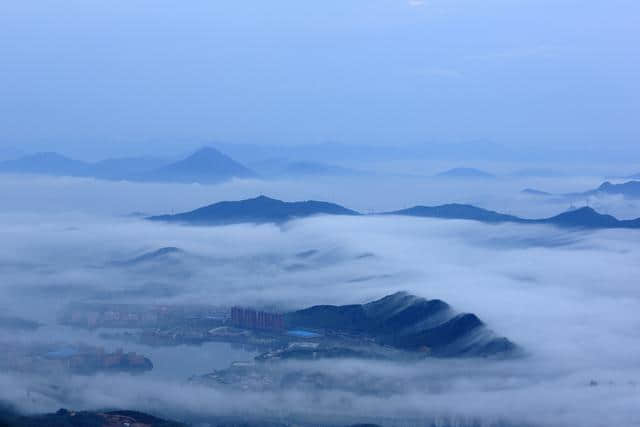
point(124, 76)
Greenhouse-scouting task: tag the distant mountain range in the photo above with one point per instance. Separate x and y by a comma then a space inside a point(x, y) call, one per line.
point(465, 173)
point(263, 209)
point(629, 190)
point(584, 217)
point(206, 165)
point(407, 322)
point(473, 173)
point(48, 163)
point(534, 192)
point(209, 165)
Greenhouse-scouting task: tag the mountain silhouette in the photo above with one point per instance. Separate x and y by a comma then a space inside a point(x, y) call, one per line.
point(261, 209)
point(48, 163)
point(207, 165)
point(629, 190)
point(165, 255)
point(457, 211)
point(584, 217)
point(587, 217)
point(407, 322)
point(534, 192)
point(465, 173)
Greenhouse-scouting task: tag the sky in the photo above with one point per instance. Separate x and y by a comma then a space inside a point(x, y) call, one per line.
point(92, 78)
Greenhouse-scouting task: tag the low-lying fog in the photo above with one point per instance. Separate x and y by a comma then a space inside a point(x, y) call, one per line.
point(570, 299)
point(364, 193)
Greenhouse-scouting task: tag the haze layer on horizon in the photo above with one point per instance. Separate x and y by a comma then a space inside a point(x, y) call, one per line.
point(95, 79)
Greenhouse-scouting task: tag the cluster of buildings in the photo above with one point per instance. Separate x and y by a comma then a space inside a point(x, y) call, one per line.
point(166, 317)
point(247, 318)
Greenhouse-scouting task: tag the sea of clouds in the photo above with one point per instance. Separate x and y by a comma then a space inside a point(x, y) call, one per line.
point(569, 298)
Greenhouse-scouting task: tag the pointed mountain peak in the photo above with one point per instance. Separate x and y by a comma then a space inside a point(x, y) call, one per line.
point(207, 154)
point(206, 151)
point(205, 165)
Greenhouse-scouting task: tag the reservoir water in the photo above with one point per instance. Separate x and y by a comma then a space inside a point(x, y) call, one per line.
point(169, 362)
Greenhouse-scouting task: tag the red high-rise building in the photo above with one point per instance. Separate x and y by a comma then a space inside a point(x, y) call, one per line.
point(248, 318)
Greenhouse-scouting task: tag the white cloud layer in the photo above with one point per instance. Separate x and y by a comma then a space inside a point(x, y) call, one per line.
point(569, 298)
